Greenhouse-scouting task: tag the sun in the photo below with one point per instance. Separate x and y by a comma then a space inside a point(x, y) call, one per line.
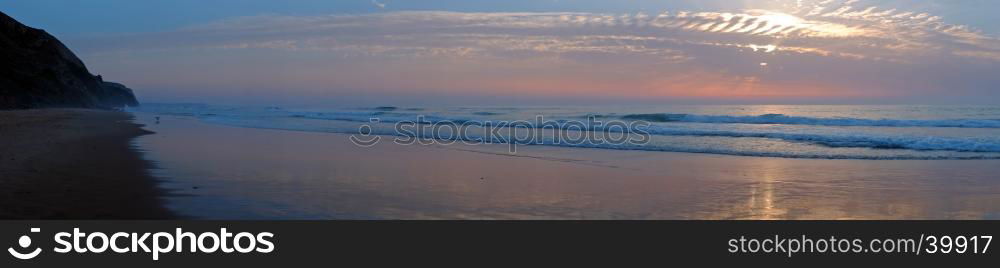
point(778, 18)
point(787, 23)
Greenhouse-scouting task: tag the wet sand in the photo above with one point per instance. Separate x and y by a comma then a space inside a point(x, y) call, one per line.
point(223, 172)
point(74, 164)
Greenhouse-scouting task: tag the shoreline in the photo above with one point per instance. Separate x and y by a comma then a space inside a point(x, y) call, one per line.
point(75, 164)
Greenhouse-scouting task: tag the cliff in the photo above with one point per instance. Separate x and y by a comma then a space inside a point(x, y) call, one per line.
point(37, 71)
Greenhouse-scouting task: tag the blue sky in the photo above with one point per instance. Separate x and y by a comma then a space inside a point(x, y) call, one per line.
point(769, 51)
point(95, 16)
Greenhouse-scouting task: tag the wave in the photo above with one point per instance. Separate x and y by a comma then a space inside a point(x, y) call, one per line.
point(872, 141)
point(817, 121)
point(381, 117)
point(920, 143)
point(632, 147)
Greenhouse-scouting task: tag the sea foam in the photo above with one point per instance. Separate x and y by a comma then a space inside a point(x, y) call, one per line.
point(818, 121)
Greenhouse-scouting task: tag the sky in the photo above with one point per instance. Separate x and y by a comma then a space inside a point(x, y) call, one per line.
point(535, 51)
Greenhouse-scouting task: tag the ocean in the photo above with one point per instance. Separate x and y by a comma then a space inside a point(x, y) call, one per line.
point(877, 132)
point(697, 162)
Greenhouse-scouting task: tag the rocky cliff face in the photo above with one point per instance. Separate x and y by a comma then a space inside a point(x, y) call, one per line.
point(36, 71)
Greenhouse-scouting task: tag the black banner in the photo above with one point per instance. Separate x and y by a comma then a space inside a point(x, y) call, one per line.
point(476, 243)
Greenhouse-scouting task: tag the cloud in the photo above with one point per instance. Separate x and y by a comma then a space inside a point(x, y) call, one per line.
point(869, 31)
point(378, 4)
point(844, 47)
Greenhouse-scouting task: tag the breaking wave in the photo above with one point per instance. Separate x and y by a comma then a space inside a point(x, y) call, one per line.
point(817, 121)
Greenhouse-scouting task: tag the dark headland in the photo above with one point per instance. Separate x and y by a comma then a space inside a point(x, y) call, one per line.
point(65, 152)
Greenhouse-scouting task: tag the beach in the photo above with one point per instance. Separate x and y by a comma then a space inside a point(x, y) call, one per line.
point(74, 164)
point(225, 172)
point(93, 164)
